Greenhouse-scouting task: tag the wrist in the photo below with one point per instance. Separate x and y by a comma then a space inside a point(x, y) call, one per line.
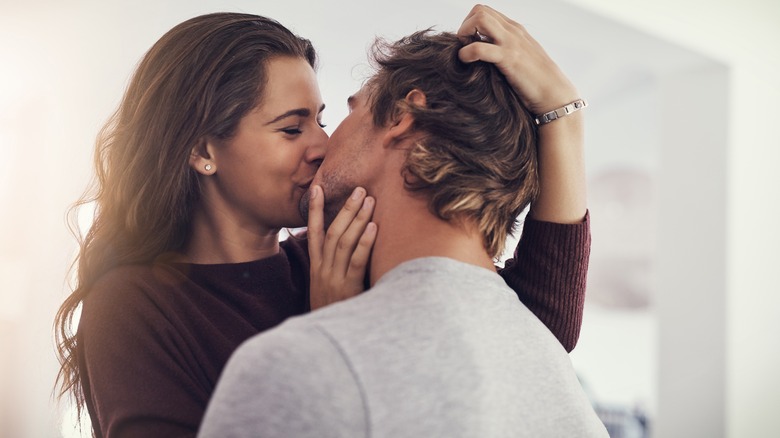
point(560, 112)
point(554, 94)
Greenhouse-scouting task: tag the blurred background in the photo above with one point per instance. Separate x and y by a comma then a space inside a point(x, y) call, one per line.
point(682, 153)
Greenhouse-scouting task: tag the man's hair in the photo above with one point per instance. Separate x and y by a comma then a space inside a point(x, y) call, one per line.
point(477, 158)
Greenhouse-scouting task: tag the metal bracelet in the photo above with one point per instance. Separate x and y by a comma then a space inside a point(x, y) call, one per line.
point(560, 112)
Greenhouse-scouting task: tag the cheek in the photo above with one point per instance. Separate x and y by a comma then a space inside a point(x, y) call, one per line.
point(334, 168)
point(285, 161)
point(337, 182)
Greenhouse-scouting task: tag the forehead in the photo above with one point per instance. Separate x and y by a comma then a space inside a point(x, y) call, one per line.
point(290, 81)
point(360, 101)
point(360, 97)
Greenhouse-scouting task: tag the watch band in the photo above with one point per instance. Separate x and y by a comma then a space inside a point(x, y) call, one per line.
point(560, 112)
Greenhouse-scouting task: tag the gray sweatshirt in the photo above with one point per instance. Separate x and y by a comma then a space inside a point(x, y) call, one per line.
point(437, 348)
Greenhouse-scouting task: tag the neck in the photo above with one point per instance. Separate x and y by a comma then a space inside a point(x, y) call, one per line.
point(408, 230)
point(217, 237)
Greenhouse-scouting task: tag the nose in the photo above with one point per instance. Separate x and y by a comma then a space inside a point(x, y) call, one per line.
point(316, 151)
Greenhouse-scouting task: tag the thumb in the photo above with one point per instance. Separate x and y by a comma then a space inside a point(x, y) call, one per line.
point(480, 52)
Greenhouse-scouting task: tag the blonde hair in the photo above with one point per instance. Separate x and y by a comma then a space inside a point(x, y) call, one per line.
point(477, 160)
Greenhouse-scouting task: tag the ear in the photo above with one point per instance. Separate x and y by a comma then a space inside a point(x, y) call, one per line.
point(202, 157)
point(403, 126)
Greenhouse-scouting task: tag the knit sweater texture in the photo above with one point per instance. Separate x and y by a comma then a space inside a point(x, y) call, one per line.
point(437, 348)
point(153, 339)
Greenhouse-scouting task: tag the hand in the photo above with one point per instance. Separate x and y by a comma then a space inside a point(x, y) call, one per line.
point(542, 87)
point(339, 258)
point(536, 78)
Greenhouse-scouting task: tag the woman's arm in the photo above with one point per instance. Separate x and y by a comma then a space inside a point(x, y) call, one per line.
point(543, 87)
point(549, 271)
point(549, 268)
point(135, 379)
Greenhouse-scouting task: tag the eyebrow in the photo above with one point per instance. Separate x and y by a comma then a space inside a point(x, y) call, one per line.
point(300, 112)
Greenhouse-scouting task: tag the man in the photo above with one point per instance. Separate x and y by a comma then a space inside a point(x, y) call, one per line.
point(439, 346)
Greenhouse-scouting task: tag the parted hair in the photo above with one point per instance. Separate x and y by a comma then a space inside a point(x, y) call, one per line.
point(477, 159)
point(196, 82)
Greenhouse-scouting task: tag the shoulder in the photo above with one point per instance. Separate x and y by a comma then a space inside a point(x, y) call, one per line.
point(299, 346)
point(289, 381)
point(129, 297)
point(132, 284)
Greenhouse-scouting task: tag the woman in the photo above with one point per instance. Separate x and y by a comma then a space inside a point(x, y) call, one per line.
point(206, 159)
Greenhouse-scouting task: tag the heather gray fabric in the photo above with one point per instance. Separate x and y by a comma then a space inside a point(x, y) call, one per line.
point(437, 348)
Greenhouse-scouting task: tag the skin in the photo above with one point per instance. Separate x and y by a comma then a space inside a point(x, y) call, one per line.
point(352, 160)
point(253, 182)
point(408, 229)
point(541, 85)
point(252, 185)
point(235, 224)
point(339, 258)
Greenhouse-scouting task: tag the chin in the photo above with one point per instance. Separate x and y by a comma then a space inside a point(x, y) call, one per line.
point(296, 223)
point(332, 209)
point(303, 206)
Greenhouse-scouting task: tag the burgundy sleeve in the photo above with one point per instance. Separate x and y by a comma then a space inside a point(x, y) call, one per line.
point(549, 272)
point(135, 383)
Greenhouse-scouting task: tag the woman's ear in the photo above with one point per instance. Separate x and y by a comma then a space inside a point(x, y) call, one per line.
point(202, 158)
point(403, 126)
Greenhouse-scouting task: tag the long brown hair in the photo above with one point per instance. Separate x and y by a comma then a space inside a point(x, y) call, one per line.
point(478, 159)
point(196, 82)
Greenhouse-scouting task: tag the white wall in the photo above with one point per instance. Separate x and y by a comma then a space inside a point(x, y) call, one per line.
point(745, 35)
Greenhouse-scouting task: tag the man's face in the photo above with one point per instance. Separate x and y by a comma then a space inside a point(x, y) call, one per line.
point(352, 154)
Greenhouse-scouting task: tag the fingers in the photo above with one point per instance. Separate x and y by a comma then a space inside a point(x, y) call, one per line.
point(340, 225)
point(501, 36)
point(476, 12)
point(359, 261)
point(349, 239)
point(339, 258)
point(530, 71)
point(489, 23)
point(481, 52)
point(316, 225)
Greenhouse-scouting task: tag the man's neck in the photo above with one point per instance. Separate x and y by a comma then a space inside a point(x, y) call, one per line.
point(408, 230)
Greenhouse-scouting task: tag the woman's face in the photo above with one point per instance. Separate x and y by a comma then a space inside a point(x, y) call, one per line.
point(264, 169)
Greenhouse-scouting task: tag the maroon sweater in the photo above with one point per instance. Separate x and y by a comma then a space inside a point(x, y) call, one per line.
point(153, 339)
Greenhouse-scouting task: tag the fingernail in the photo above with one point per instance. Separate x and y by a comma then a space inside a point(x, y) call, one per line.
point(368, 202)
point(313, 193)
point(357, 193)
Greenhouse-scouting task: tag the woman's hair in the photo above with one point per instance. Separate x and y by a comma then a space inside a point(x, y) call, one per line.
point(196, 82)
point(477, 158)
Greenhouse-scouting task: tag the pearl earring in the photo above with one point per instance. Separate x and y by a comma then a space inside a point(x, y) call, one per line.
point(208, 168)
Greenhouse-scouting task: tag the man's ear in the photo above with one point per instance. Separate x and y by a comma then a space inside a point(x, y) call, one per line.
point(402, 126)
point(202, 157)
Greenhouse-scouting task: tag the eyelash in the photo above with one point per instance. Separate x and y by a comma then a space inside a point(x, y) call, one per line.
point(297, 131)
